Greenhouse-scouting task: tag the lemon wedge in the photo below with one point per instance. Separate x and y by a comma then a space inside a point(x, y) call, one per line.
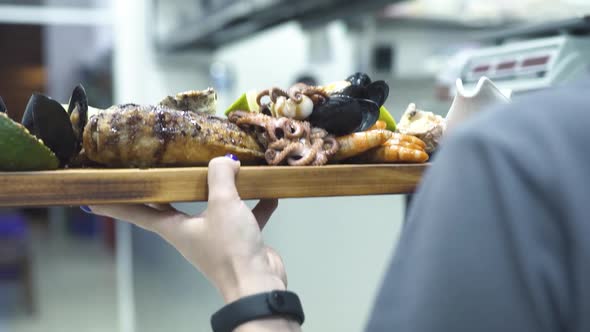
point(246, 102)
point(384, 115)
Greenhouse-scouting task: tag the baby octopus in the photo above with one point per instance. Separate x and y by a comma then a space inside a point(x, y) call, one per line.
point(296, 103)
point(289, 141)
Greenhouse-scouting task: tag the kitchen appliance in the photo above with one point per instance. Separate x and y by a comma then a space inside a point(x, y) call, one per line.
point(532, 58)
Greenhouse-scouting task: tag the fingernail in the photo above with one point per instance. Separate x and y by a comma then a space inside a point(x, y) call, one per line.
point(85, 209)
point(231, 156)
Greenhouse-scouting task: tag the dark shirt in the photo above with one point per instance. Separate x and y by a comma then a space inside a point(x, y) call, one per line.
point(498, 236)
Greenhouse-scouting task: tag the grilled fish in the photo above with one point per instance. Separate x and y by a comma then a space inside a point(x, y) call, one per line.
point(148, 136)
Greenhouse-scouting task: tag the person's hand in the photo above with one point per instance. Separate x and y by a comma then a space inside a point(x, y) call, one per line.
point(224, 242)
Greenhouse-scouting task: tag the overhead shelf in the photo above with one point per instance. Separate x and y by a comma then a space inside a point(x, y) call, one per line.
point(53, 15)
point(238, 19)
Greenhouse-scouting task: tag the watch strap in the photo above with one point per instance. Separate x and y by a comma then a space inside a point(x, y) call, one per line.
point(257, 306)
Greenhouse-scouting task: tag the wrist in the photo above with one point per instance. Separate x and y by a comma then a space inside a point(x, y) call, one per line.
point(251, 277)
point(268, 311)
point(250, 285)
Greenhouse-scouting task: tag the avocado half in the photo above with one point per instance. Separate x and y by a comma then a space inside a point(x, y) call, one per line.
point(22, 151)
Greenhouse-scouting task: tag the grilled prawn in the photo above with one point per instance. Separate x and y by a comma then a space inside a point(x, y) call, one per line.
point(394, 154)
point(356, 143)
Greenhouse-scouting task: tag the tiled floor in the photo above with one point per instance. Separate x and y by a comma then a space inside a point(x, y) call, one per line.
point(75, 288)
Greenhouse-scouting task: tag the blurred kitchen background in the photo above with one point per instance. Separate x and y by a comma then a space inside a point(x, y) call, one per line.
point(63, 270)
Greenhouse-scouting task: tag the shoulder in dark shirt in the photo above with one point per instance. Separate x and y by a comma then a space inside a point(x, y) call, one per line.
point(497, 238)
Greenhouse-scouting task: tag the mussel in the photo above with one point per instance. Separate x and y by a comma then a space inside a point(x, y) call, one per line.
point(359, 79)
point(355, 107)
point(78, 112)
point(362, 87)
point(49, 121)
point(342, 114)
point(2, 106)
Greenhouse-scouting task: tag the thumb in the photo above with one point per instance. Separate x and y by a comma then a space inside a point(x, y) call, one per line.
point(221, 177)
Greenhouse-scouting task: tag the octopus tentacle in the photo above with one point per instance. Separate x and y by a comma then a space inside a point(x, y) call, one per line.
point(319, 157)
point(276, 157)
point(264, 127)
point(306, 158)
point(318, 133)
point(247, 118)
point(314, 90)
point(287, 140)
point(317, 95)
point(273, 127)
point(318, 99)
point(296, 96)
point(262, 94)
point(279, 145)
point(276, 92)
point(296, 130)
point(272, 93)
point(330, 146)
point(295, 92)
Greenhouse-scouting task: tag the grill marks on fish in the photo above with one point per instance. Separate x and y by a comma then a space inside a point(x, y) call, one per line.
point(133, 123)
point(165, 129)
point(113, 139)
point(93, 124)
point(131, 135)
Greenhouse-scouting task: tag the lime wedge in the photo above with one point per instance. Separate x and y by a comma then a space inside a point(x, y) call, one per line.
point(22, 151)
point(246, 102)
point(384, 115)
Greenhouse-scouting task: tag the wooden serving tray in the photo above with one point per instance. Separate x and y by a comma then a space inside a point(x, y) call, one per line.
point(76, 187)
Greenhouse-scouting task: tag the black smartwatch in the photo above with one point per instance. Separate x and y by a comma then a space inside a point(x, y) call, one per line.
point(264, 305)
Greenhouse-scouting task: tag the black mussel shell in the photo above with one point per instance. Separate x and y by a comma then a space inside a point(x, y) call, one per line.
point(339, 115)
point(370, 114)
point(2, 106)
point(78, 111)
point(46, 119)
point(378, 92)
point(355, 91)
point(359, 79)
point(342, 115)
point(27, 119)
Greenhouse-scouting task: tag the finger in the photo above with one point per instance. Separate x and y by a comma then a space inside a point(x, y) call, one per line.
point(221, 179)
point(137, 214)
point(264, 210)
